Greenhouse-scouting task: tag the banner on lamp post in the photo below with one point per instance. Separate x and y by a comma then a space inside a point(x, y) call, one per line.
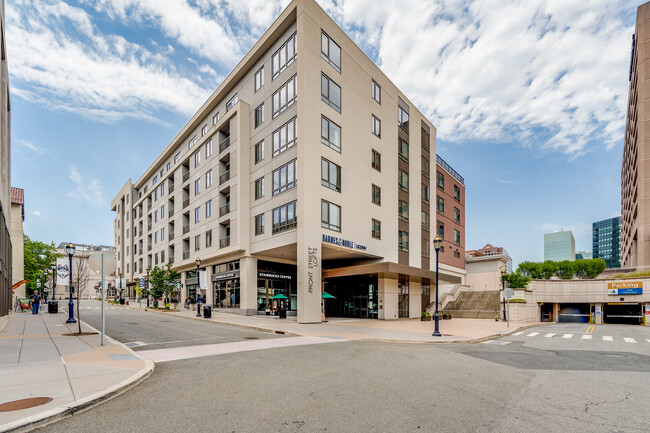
point(203, 280)
point(63, 272)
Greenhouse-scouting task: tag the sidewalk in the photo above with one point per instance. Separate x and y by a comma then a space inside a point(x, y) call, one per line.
point(402, 330)
point(69, 373)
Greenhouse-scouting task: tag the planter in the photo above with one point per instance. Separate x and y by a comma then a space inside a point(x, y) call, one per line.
point(425, 318)
point(167, 306)
point(155, 303)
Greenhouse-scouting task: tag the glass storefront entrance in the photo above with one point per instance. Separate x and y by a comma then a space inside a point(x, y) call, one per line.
point(225, 283)
point(275, 279)
point(356, 296)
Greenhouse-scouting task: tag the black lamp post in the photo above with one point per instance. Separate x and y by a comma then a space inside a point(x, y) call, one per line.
point(198, 287)
point(53, 282)
point(437, 243)
point(147, 285)
point(503, 286)
point(69, 248)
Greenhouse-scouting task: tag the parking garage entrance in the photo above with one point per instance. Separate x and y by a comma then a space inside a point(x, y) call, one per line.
point(579, 313)
point(356, 296)
point(623, 313)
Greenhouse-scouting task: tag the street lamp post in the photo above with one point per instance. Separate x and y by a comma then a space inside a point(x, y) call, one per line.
point(503, 287)
point(198, 287)
point(437, 242)
point(69, 248)
point(147, 284)
point(53, 279)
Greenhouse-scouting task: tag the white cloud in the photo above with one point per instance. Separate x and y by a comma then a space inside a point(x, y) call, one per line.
point(90, 191)
point(34, 149)
point(508, 182)
point(36, 213)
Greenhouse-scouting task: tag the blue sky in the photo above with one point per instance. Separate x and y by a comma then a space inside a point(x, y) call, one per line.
point(528, 97)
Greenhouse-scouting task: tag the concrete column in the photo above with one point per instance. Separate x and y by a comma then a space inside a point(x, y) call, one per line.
point(387, 292)
point(209, 292)
point(248, 285)
point(598, 314)
point(556, 312)
point(183, 287)
point(415, 299)
point(647, 314)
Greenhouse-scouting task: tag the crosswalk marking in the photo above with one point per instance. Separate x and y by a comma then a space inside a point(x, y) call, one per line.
point(550, 334)
point(607, 338)
point(532, 334)
point(587, 337)
point(629, 340)
point(567, 336)
point(648, 340)
point(518, 333)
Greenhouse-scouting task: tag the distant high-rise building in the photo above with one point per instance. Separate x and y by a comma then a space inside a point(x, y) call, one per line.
point(580, 255)
point(559, 246)
point(607, 241)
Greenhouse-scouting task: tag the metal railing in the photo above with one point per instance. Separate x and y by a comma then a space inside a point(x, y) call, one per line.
point(224, 177)
point(225, 209)
point(148, 247)
point(171, 212)
point(186, 177)
point(149, 206)
point(225, 242)
point(171, 259)
point(225, 144)
point(186, 229)
point(186, 255)
point(450, 170)
point(149, 226)
point(171, 188)
point(186, 202)
point(171, 236)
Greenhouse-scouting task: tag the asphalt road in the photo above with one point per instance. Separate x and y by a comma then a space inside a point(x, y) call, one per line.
point(516, 384)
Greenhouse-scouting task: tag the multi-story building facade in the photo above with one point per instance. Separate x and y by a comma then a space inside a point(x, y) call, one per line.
point(82, 275)
point(606, 241)
point(6, 269)
point(18, 241)
point(635, 198)
point(491, 250)
point(559, 246)
point(238, 186)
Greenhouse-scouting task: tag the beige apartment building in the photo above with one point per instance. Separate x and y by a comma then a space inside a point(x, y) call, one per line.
point(635, 175)
point(6, 269)
point(306, 171)
point(18, 241)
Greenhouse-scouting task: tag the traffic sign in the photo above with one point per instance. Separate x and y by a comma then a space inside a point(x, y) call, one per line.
point(95, 262)
point(508, 293)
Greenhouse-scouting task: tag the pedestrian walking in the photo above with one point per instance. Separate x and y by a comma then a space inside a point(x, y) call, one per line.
point(36, 302)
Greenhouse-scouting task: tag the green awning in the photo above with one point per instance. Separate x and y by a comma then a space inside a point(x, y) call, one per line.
point(328, 296)
point(279, 296)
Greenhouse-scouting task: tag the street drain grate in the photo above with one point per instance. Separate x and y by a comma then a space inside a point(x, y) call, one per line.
point(251, 338)
point(25, 403)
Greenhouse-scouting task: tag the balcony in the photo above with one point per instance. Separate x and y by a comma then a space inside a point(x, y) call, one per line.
point(225, 144)
point(171, 212)
point(149, 206)
point(171, 188)
point(171, 259)
point(186, 202)
point(186, 229)
point(186, 177)
point(171, 236)
point(186, 255)
point(149, 226)
point(224, 210)
point(149, 248)
point(224, 177)
point(225, 242)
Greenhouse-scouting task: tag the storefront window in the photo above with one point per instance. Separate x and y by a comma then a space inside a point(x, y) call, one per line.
point(225, 283)
point(403, 295)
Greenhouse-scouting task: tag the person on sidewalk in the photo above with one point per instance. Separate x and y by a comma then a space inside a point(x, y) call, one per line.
point(36, 301)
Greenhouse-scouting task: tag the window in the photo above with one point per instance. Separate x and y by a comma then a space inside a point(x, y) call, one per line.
point(169, 166)
point(192, 142)
point(402, 295)
point(127, 233)
point(208, 208)
point(259, 188)
point(376, 195)
point(403, 240)
point(231, 103)
point(425, 193)
point(426, 248)
point(330, 134)
point(376, 229)
point(285, 137)
point(440, 206)
point(155, 180)
point(457, 193)
point(162, 211)
point(162, 234)
point(127, 199)
point(197, 242)
point(403, 149)
point(330, 216)
point(330, 175)
point(177, 157)
point(425, 220)
point(259, 224)
point(441, 180)
point(402, 118)
point(284, 217)
point(162, 189)
point(284, 56)
point(197, 186)
point(403, 209)
point(457, 215)
point(259, 152)
point(285, 96)
point(330, 51)
point(284, 177)
point(204, 130)
point(425, 166)
point(215, 118)
point(376, 126)
point(259, 78)
point(208, 148)
point(376, 91)
point(208, 238)
point(259, 115)
point(155, 216)
point(456, 254)
point(403, 180)
point(456, 237)
point(330, 92)
point(441, 229)
point(376, 160)
point(127, 216)
point(197, 158)
point(208, 178)
point(155, 238)
point(155, 195)
point(197, 214)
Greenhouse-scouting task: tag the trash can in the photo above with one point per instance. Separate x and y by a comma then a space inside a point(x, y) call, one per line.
point(52, 307)
point(207, 311)
point(282, 314)
point(122, 300)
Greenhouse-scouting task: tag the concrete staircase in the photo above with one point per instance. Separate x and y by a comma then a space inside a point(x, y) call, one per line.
point(474, 305)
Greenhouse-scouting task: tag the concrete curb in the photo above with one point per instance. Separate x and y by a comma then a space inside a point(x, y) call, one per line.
point(53, 415)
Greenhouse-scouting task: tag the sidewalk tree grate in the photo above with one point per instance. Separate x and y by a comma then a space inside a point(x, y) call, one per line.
point(25, 403)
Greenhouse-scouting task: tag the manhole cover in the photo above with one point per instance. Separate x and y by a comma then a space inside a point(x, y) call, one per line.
point(251, 338)
point(25, 403)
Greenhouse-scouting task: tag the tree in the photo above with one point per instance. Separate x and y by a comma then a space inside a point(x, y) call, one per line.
point(566, 269)
point(162, 281)
point(547, 269)
point(39, 257)
point(516, 280)
point(594, 268)
point(529, 269)
point(80, 277)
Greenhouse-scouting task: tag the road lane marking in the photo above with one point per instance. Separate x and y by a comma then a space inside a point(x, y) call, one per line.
point(549, 335)
point(587, 337)
point(532, 334)
point(607, 338)
point(629, 340)
point(648, 340)
point(500, 343)
point(567, 336)
point(518, 333)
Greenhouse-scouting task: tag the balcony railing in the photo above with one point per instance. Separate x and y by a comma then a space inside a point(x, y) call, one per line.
point(225, 144)
point(149, 248)
point(225, 242)
point(225, 209)
point(224, 177)
point(171, 259)
point(186, 177)
point(186, 202)
point(186, 255)
point(171, 188)
point(149, 206)
point(186, 229)
point(171, 212)
point(149, 226)
point(171, 236)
